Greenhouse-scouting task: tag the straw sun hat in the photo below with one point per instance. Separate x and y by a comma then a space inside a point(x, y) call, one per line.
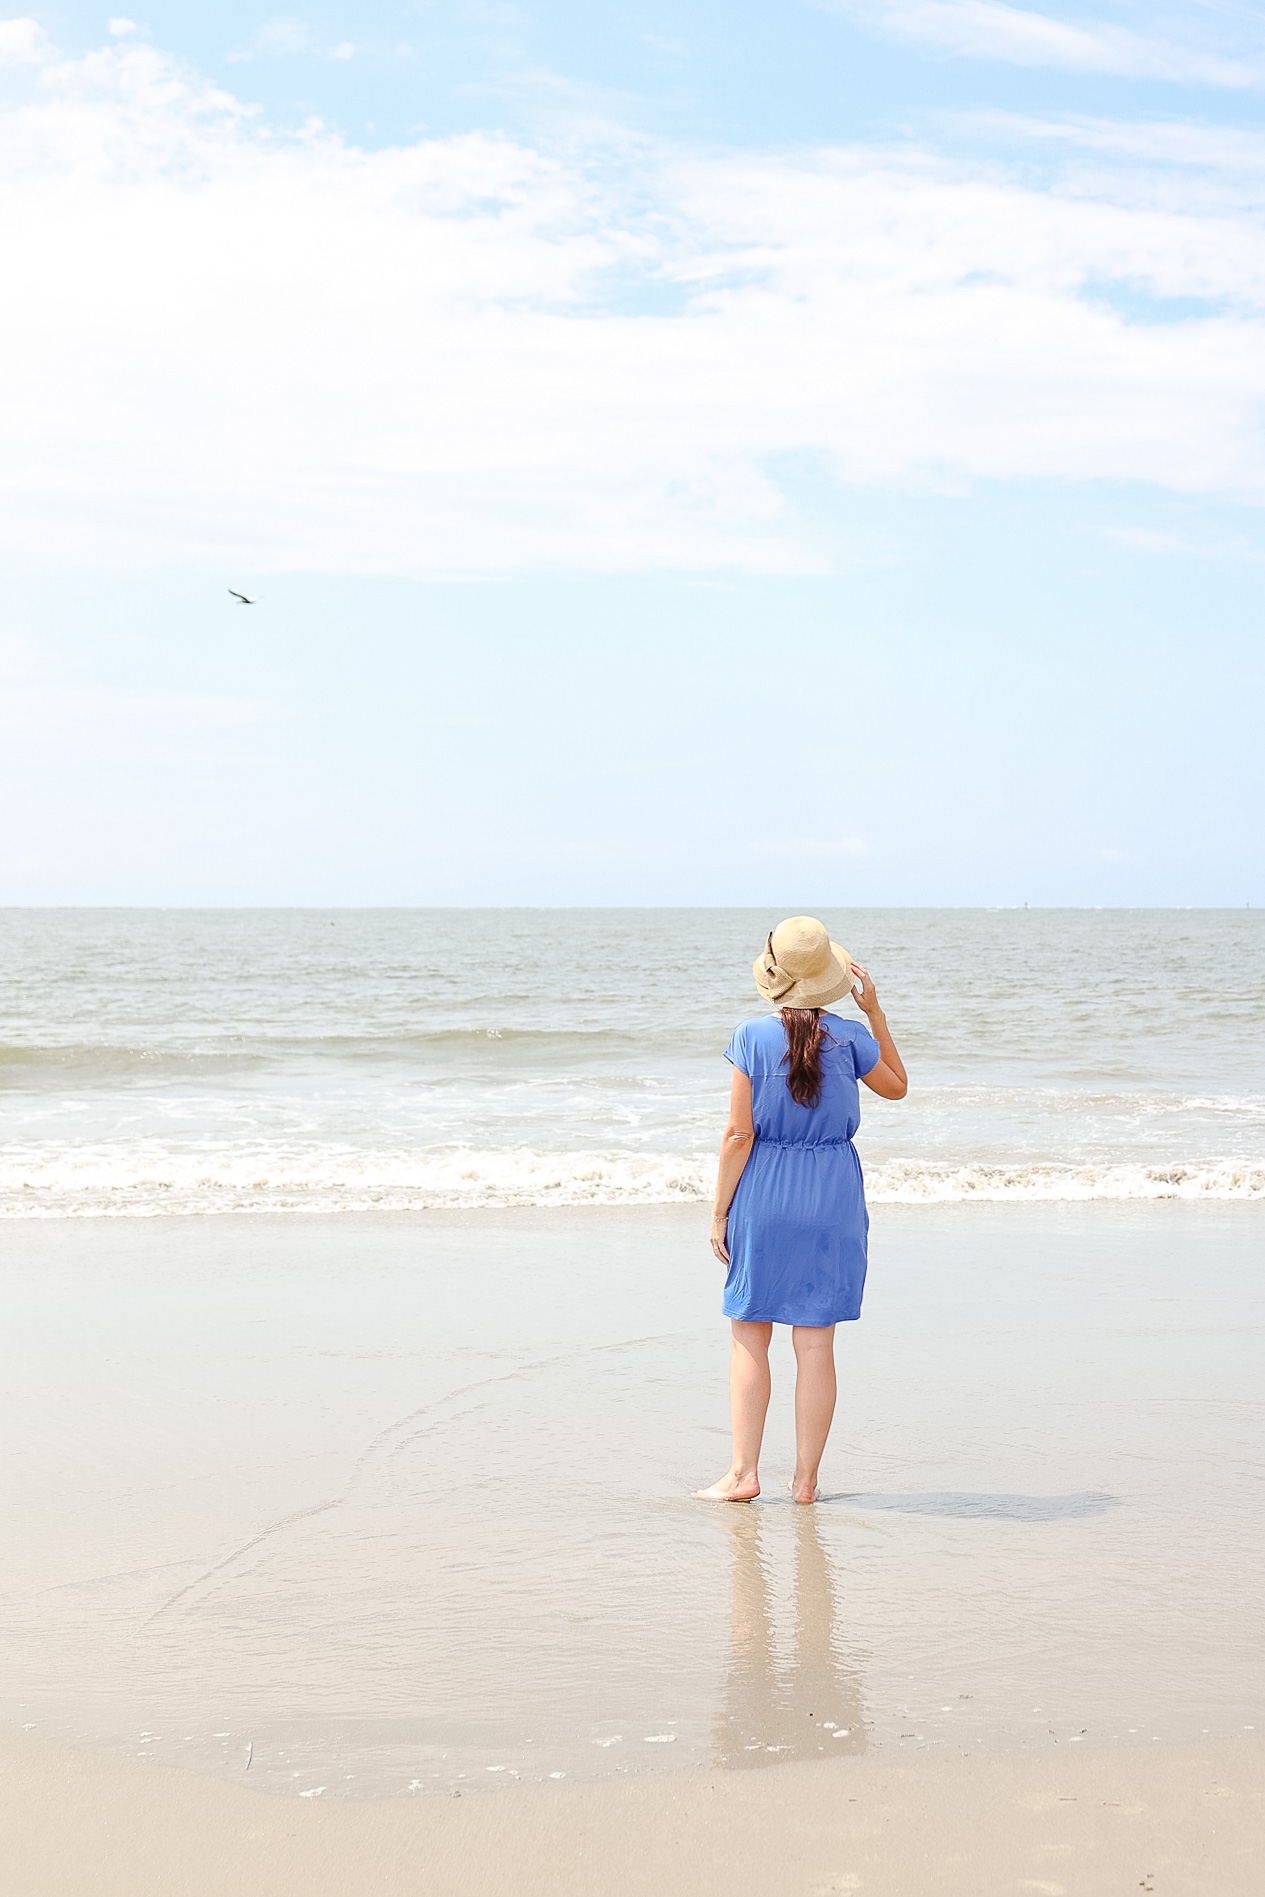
point(800, 967)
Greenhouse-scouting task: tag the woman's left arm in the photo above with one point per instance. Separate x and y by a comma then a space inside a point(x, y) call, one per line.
point(887, 1077)
point(735, 1150)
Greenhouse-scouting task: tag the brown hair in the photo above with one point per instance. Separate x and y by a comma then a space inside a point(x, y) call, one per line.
point(804, 1036)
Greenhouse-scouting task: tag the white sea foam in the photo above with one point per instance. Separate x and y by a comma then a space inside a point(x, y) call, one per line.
point(909, 1182)
point(144, 1181)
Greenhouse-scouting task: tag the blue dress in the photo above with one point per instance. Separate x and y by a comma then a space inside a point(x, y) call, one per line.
point(798, 1223)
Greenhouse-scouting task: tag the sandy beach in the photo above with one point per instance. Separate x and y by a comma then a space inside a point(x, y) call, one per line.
point(331, 1502)
point(1185, 1822)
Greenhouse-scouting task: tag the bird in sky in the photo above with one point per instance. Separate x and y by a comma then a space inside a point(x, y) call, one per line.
point(242, 597)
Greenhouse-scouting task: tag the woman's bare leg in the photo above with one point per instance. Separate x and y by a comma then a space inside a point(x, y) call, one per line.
point(814, 1404)
point(748, 1406)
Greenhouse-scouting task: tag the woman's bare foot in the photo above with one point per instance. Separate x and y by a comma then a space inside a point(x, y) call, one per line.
point(737, 1486)
point(803, 1490)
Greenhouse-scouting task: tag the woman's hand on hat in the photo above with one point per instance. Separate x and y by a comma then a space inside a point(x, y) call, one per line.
point(867, 999)
point(720, 1227)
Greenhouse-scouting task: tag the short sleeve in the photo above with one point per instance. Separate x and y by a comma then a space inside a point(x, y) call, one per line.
point(739, 1048)
point(865, 1052)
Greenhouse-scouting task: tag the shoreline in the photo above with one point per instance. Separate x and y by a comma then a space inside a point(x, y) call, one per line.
point(1183, 1821)
point(881, 1210)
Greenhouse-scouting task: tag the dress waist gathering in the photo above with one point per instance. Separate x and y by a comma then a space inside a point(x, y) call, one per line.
point(762, 1139)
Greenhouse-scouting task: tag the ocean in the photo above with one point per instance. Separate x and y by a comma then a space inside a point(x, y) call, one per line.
point(179, 1061)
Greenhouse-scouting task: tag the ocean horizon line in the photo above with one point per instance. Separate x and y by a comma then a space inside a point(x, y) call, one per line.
point(615, 908)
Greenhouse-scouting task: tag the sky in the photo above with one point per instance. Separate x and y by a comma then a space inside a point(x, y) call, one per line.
point(807, 454)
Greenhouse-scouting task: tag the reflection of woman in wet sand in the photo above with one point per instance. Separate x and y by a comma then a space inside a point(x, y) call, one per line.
point(808, 1706)
point(790, 1219)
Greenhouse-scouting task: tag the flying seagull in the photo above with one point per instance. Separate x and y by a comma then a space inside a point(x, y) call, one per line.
point(242, 597)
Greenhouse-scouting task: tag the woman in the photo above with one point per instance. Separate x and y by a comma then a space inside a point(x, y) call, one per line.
point(790, 1219)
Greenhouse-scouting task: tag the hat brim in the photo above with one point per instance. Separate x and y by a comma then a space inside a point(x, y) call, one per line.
point(814, 991)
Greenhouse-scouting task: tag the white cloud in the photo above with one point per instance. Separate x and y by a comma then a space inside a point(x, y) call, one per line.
point(1152, 541)
point(21, 662)
point(985, 29)
point(121, 28)
point(1148, 540)
point(22, 43)
point(277, 39)
point(1179, 143)
point(49, 720)
point(286, 35)
point(810, 846)
point(279, 352)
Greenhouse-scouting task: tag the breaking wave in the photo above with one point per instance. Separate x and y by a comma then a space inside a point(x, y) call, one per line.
point(906, 1182)
point(151, 1179)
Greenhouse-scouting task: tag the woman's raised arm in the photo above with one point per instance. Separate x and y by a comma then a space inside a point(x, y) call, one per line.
point(887, 1077)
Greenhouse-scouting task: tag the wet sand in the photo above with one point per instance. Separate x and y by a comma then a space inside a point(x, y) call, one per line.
point(1181, 1822)
point(372, 1507)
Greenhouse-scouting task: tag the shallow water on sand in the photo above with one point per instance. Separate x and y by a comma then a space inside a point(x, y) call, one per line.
point(367, 1506)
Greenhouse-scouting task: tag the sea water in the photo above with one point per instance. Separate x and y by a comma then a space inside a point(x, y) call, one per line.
point(183, 1061)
